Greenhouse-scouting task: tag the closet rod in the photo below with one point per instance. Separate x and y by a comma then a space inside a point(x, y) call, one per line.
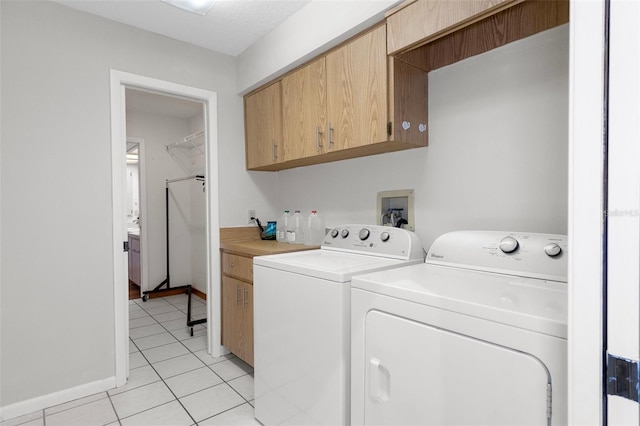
point(168, 181)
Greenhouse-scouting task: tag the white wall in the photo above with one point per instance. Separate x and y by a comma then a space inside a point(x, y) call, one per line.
point(497, 154)
point(57, 308)
point(158, 131)
point(319, 25)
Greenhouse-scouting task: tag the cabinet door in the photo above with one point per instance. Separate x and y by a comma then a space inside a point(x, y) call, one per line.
point(237, 318)
point(263, 127)
point(408, 87)
point(231, 313)
point(426, 20)
point(304, 111)
point(357, 92)
point(246, 337)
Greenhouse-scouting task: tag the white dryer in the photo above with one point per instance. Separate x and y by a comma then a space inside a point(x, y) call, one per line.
point(475, 336)
point(302, 321)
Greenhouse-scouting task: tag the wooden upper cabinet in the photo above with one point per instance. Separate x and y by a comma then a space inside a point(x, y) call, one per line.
point(422, 21)
point(352, 102)
point(304, 111)
point(357, 92)
point(408, 106)
point(263, 127)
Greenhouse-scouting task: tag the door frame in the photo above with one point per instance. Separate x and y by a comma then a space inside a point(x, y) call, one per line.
point(119, 81)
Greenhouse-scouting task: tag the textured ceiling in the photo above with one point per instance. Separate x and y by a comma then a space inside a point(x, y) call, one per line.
point(230, 27)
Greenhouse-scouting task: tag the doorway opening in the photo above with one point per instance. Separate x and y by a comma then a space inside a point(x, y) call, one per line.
point(157, 166)
point(174, 194)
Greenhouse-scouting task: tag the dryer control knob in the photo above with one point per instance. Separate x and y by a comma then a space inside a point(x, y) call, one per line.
point(384, 236)
point(364, 234)
point(508, 245)
point(552, 249)
point(334, 233)
point(344, 233)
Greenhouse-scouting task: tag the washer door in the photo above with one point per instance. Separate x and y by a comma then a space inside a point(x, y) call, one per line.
point(419, 374)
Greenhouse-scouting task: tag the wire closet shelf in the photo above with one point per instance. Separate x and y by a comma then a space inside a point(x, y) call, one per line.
point(186, 148)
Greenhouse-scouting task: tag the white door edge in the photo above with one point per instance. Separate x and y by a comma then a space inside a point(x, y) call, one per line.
point(585, 212)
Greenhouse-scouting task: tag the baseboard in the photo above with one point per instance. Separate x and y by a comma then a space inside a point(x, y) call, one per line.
point(199, 293)
point(173, 292)
point(41, 402)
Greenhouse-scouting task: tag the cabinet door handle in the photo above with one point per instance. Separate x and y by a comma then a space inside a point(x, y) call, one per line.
point(237, 296)
point(329, 130)
point(245, 293)
point(274, 149)
point(318, 133)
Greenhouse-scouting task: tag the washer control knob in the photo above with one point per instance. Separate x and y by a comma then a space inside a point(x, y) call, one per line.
point(552, 249)
point(508, 245)
point(384, 236)
point(364, 234)
point(344, 233)
point(334, 233)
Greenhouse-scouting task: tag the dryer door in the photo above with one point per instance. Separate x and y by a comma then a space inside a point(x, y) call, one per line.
point(419, 374)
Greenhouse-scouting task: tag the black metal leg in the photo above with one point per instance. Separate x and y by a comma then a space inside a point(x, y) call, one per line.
point(191, 323)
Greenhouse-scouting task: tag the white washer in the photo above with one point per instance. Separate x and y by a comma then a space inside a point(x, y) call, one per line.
point(475, 336)
point(302, 321)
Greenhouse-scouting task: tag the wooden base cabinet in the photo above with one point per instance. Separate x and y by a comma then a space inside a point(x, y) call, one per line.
point(237, 318)
point(237, 305)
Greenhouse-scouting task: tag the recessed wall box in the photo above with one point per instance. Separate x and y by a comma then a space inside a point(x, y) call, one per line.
point(395, 208)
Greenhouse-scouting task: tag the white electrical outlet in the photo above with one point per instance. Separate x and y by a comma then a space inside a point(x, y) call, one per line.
point(252, 213)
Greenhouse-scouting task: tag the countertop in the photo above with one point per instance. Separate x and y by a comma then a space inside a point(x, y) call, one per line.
point(261, 247)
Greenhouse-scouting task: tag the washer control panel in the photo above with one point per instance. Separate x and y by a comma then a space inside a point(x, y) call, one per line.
point(516, 253)
point(374, 240)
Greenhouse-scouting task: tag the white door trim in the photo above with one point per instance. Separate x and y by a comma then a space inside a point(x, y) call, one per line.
point(586, 106)
point(119, 80)
point(623, 199)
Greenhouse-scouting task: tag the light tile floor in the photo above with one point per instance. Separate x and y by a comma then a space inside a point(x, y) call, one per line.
point(172, 379)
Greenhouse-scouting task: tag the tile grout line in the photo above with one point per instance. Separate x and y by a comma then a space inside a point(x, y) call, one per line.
point(203, 363)
point(223, 380)
point(170, 390)
point(246, 401)
point(114, 410)
point(222, 412)
point(162, 379)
